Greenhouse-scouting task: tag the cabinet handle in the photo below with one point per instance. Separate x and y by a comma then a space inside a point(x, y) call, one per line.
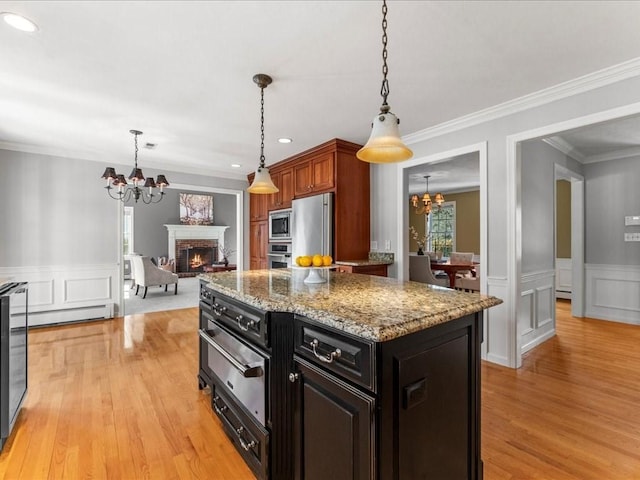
point(250, 324)
point(216, 306)
point(245, 446)
point(293, 377)
point(328, 358)
point(219, 410)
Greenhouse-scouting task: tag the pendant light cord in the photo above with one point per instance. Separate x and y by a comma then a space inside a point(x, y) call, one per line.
point(384, 90)
point(261, 127)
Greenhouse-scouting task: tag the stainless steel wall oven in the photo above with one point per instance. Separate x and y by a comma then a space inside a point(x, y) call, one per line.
point(279, 255)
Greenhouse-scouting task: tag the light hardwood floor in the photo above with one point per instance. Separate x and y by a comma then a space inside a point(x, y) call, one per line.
point(119, 399)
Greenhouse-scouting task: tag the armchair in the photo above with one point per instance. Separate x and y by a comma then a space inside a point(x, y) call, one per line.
point(146, 274)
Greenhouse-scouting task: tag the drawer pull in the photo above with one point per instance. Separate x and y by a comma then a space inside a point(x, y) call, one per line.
point(328, 358)
point(218, 310)
point(243, 444)
point(244, 328)
point(219, 410)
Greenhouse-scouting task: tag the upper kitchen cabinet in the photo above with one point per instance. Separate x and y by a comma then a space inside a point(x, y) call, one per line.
point(315, 174)
point(329, 167)
point(258, 205)
point(283, 179)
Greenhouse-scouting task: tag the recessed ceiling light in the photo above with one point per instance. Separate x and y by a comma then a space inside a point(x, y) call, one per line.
point(285, 140)
point(236, 165)
point(19, 22)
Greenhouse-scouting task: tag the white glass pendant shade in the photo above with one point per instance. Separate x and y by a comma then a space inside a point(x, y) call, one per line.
point(384, 144)
point(262, 182)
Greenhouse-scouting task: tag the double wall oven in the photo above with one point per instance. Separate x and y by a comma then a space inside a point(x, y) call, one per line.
point(279, 255)
point(234, 362)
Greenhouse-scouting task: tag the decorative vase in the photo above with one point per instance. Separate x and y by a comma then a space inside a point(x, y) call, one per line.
point(225, 260)
point(420, 252)
point(438, 254)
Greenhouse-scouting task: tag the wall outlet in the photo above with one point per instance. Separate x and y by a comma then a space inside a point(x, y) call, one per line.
point(387, 245)
point(374, 246)
point(632, 237)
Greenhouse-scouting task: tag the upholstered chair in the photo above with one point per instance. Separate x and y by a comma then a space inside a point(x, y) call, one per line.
point(462, 257)
point(147, 274)
point(420, 271)
point(469, 284)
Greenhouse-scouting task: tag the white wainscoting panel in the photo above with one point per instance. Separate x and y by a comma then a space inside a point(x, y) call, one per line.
point(563, 277)
point(613, 292)
point(497, 336)
point(68, 293)
point(537, 313)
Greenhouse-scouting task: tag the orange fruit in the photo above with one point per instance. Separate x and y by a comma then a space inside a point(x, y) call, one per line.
point(317, 260)
point(327, 260)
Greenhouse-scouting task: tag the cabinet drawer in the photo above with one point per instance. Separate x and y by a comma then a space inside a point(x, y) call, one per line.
point(250, 439)
point(248, 323)
point(349, 357)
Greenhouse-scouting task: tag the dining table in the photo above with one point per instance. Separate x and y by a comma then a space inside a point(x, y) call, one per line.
point(451, 269)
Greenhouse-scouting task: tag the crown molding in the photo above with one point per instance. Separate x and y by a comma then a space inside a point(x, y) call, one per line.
point(616, 155)
point(565, 147)
point(93, 157)
point(578, 85)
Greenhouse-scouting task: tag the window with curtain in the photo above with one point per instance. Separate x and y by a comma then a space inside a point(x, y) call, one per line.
point(442, 229)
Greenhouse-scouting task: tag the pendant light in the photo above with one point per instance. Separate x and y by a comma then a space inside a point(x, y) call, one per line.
point(262, 182)
point(384, 145)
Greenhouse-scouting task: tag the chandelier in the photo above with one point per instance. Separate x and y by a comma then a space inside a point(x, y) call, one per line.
point(426, 206)
point(126, 192)
point(384, 144)
point(262, 182)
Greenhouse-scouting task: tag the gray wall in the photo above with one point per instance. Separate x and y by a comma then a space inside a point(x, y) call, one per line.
point(611, 193)
point(150, 234)
point(538, 183)
point(54, 212)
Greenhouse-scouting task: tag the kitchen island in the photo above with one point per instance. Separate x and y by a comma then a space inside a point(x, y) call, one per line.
point(360, 377)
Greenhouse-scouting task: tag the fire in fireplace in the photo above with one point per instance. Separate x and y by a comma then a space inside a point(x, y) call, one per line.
point(193, 255)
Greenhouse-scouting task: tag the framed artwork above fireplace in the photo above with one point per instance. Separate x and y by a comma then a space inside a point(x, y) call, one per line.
point(196, 209)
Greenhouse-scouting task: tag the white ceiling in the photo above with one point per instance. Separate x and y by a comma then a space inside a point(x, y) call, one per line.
point(182, 71)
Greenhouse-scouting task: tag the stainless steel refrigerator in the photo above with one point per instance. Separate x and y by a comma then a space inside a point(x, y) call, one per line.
point(312, 222)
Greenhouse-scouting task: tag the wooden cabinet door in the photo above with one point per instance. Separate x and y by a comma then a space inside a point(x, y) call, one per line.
point(286, 188)
point(323, 170)
point(333, 428)
point(259, 237)
point(258, 204)
point(302, 178)
point(284, 181)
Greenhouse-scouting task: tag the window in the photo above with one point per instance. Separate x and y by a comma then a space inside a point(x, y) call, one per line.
point(127, 231)
point(442, 228)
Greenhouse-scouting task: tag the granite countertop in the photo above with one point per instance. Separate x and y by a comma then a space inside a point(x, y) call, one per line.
point(371, 307)
point(362, 263)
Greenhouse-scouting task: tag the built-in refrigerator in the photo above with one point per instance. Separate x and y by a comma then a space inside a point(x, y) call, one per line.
point(312, 222)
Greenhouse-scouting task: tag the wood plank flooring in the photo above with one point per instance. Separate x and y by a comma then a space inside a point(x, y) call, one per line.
point(119, 399)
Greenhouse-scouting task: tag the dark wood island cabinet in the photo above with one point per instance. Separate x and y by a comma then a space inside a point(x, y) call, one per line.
point(395, 395)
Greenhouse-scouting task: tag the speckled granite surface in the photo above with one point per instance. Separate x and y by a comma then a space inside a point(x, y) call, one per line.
point(371, 307)
point(360, 263)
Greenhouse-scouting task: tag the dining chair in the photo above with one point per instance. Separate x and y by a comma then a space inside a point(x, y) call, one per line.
point(420, 271)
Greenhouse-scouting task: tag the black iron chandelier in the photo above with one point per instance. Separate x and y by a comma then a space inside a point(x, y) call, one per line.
point(125, 192)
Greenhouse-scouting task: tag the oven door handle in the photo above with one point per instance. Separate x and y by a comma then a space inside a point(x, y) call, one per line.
point(245, 370)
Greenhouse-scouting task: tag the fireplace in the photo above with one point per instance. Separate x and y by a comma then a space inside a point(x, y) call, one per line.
point(193, 255)
point(194, 246)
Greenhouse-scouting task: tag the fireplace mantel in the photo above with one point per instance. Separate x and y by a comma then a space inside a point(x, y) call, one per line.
point(194, 232)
